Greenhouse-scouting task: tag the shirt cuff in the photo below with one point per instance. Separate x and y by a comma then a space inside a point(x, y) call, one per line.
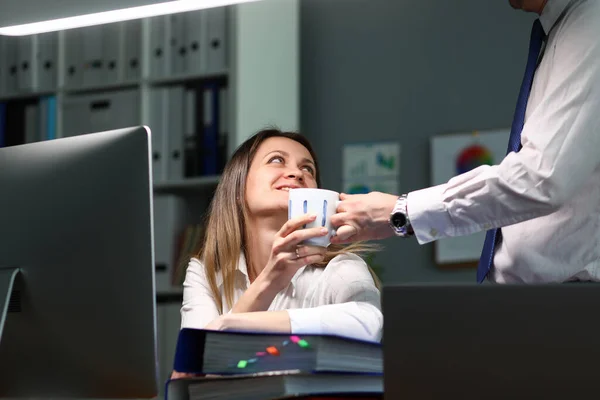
point(305, 320)
point(428, 215)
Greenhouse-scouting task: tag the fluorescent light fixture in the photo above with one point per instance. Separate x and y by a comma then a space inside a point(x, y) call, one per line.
point(114, 15)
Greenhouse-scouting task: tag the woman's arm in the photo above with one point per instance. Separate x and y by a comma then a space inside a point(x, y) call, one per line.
point(347, 303)
point(260, 321)
point(199, 307)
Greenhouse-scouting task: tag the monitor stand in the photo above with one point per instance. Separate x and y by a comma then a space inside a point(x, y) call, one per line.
point(7, 280)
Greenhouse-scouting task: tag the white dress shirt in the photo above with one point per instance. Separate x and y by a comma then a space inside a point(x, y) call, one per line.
point(546, 197)
point(340, 299)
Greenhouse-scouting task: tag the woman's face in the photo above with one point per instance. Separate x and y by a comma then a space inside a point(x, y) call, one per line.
point(278, 165)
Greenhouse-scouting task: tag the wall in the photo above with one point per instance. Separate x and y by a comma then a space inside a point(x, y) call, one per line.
point(407, 70)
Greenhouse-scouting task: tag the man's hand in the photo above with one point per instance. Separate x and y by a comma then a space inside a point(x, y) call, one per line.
point(363, 217)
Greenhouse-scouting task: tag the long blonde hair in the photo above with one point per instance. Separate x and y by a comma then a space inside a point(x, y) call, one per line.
point(228, 212)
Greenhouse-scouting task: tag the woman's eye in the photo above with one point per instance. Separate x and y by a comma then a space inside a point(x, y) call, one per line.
point(277, 159)
point(309, 169)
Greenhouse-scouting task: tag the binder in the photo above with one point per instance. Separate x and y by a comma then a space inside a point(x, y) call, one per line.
point(93, 55)
point(73, 58)
point(3, 66)
point(51, 118)
point(46, 61)
point(178, 50)
point(196, 41)
point(25, 60)
point(210, 137)
point(32, 126)
point(2, 125)
point(10, 60)
point(223, 144)
point(191, 144)
point(46, 118)
point(100, 112)
point(112, 62)
point(132, 45)
point(15, 122)
point(158, 124)
point(216, 39)
point(169, 219)
point(158, 46)
point(43, 118)
point(174, 133)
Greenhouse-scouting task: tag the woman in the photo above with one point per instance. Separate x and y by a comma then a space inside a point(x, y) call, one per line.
point(253, 273)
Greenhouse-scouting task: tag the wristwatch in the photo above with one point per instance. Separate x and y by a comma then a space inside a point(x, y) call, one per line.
point(399, 220)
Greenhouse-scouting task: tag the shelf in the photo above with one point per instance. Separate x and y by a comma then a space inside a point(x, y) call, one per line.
point(168, 80)
point(169, 296)
point(101, 88)
point(26, 95)
point(187, 185)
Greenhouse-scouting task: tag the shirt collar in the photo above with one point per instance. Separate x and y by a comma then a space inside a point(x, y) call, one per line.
point(242, 268)
point(552, 11)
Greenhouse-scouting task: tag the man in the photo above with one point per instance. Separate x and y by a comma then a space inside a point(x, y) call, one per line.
point(545, 195)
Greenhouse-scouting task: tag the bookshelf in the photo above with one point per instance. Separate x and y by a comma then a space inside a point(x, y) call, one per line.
point(261, 74)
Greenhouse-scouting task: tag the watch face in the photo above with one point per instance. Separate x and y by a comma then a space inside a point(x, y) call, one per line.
point(399, 220)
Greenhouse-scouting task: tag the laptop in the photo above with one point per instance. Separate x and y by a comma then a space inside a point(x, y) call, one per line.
point(491, 341)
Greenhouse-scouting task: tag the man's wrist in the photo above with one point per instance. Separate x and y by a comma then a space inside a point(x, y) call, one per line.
point(399, 220)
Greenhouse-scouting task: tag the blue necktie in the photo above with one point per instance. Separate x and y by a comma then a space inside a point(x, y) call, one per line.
point(494, 236)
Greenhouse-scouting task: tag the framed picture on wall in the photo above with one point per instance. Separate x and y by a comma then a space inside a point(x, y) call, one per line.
point(454, 154)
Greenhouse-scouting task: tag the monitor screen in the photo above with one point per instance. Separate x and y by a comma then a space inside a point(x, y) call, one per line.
point(78, 319)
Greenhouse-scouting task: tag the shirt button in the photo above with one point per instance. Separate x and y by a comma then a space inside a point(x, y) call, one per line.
point(433, 232)
point(487, 226)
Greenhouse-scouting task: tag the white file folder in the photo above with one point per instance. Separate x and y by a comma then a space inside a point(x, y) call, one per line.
point(93, 55)
point(32, 123)
point(196, 41)
point(174, 132)
point(73, 58)
point(158, 46)
point(216, 45)
point(177, 43)
point(158, 123)
point(131, 45)
point(46, 61)
point(25, 60)
point(112, 62)
point(169, 219)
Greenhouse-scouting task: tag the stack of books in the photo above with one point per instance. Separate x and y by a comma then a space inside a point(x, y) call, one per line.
point(264, 366)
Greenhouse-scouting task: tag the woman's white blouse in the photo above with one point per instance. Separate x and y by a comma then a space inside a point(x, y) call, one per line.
point(340, 299)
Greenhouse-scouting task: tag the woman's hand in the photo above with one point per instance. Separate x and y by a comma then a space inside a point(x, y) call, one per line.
point(286, 258)
point(288, 255)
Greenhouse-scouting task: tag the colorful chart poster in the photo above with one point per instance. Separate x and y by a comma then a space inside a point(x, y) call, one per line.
point(454, 154)
point(369, 167)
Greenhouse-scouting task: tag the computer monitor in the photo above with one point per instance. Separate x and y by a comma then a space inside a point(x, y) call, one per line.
point(76, 230)
point(466, 341)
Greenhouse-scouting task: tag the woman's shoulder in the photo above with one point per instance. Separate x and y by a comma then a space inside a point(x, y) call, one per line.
point(347, 266)
point(195, 263)
point(347, 259)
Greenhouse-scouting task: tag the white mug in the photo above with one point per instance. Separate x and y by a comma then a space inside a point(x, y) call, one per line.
point(321, 202)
